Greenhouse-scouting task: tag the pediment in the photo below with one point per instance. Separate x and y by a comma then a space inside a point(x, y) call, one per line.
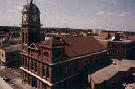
point(33, 46)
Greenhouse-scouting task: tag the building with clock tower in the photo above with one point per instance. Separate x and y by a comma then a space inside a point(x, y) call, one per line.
point(55, 62)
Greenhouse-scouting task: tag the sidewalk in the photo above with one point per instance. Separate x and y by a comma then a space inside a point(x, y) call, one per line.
point(4, 85)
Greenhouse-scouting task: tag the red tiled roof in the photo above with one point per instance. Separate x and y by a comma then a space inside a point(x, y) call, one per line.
point(76, 46)
point(82, 45)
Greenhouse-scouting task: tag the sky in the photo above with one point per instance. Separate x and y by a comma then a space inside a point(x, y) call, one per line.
point(86, 14)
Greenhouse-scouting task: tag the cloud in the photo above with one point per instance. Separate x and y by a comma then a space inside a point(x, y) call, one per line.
point(15, 9)
point(100, 13)
point(105, 13)
point(18, 7)
point(114, 2)
point(124, 14)
point(12, 10)
point(41, 0)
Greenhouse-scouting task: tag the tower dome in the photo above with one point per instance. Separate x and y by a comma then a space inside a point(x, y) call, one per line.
point(31, 7)
point(31, 23)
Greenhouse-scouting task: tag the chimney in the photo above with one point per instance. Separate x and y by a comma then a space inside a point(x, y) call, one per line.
point(117, 36)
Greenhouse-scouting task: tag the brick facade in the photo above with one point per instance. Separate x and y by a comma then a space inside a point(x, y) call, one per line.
point(56, 62)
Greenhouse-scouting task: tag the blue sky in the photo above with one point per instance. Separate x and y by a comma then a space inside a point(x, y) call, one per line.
point(103, 14)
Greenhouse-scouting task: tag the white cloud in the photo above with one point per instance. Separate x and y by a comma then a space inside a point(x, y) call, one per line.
point(18, 7)
point(114, 2)
point(100, 13)
point(124, 14)
point(105, 13)
point(15, 9)
point(41, 0)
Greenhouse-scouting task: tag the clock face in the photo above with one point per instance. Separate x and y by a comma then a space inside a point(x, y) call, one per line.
point(25, 17)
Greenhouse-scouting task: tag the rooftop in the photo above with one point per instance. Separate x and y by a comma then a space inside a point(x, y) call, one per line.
point(109, 71)
point(123, 41)
point(11, 48)
point(130, 86)
point(76, 46)
point(83, 45)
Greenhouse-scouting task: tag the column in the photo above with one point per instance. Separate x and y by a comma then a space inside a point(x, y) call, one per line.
point(39, 84)
point(23, 76)
point(29, 80)
point(50, 74)
point(26, 77)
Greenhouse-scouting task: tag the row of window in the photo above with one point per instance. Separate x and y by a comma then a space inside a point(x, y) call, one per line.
point(34, 81)
point(33, 65)
point(36, 53)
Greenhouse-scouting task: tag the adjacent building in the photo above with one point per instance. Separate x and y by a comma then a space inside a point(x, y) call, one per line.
point(9, 56)
point(114, 76)
point(121, 48)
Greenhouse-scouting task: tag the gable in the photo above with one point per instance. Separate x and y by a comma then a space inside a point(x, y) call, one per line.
point(33, 46)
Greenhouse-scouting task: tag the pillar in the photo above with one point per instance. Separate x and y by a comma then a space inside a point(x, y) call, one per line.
point(41, 69)
point(29, 80)
point(50, 74)
point(39, 84)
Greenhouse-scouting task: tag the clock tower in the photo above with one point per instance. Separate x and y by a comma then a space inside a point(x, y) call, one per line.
point(30, 24)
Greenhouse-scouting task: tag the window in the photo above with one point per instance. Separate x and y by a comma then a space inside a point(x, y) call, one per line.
point(32, 66)
point(44, 86)
point(25, 61)
point(46, 54)
point(2, 54)
point(23, 37)
point(45, 71)
point(66, 70)
point(35, 65)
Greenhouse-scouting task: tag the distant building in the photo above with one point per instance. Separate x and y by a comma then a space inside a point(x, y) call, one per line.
point(56, 62)
point(121, 48)
point(9, 55)
point(114, 76)
point(96, 31)
point(106, 35)
point(8, 32)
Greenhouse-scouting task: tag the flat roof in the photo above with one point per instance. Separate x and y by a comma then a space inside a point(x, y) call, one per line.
point(123, 41)
point(4, 85)
point(111, 70)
